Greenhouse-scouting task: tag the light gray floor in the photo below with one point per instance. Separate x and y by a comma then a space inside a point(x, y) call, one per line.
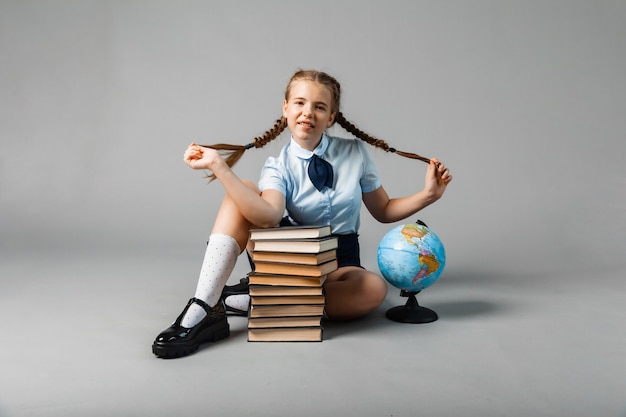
point(77, 334)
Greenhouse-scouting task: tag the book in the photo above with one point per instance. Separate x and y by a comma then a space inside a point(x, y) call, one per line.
point(286, 334)
point(290, 232)
point(286, 296)
point(282, 290)
point(297, 245)
point(286, 280)
point(295, 258)
point(287, 300)
point(285, 310)
point(273, 322)
point(295, 269)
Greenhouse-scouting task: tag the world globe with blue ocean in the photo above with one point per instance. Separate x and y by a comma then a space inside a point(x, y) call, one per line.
point(411, 257)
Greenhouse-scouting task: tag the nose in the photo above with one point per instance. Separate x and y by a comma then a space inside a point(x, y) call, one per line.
point(307, 110)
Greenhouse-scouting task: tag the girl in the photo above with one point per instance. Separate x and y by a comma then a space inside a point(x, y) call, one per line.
point(316, 180)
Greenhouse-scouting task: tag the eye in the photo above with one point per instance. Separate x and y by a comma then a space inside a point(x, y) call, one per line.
point(321, 107)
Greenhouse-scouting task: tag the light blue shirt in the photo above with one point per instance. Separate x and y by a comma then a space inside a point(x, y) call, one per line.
point(339, 206)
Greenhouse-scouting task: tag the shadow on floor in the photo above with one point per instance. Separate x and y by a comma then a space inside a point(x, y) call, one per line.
point(466, 309)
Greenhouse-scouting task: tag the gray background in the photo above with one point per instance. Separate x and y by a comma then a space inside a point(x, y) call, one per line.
point(103, 226)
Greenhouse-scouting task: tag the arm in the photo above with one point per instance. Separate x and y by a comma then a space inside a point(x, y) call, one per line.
point(388, 210)
point(264, 210)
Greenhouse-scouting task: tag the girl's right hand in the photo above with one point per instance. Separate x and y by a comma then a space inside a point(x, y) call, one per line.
point(199, 157)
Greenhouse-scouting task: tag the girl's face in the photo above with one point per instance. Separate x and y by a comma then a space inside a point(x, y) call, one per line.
point(308, 112)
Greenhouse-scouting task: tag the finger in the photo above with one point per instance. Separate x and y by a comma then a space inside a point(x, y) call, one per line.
point(436, 174)
point(434, 164)
point(438, 165)
point(191, 155)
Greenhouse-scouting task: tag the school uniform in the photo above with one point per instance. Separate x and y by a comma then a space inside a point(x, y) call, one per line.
point(339, 204)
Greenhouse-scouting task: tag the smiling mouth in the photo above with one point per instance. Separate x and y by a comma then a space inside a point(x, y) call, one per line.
point(306, 124)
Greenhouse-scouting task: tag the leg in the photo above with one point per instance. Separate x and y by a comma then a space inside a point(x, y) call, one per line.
point(204, 317)
point(230, 222)
point(228, 239)
point(353, 292)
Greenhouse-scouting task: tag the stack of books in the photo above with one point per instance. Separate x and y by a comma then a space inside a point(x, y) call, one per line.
point(286, 295)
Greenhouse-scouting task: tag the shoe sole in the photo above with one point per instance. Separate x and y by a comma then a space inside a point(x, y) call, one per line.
point(218, 331)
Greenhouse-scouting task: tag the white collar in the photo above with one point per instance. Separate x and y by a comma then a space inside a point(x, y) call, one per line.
point(302, 153)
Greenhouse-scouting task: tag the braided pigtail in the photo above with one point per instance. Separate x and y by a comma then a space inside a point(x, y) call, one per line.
point(233, 153)
point(379, 143)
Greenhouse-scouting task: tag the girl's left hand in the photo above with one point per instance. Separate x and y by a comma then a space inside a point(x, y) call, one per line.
point(437, 179)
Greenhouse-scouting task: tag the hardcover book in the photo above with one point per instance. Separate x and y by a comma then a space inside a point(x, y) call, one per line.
point(274, 322)
point(297, 246)
point(290, 232)
point(286, 280)
point(286, 334)
point(282, 290)
point(295, 258)
point(287, 300)
point(286, 310)
point(295, 269)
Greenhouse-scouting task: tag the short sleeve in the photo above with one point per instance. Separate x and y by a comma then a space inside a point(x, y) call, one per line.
point(272, 176)
point(370, 180)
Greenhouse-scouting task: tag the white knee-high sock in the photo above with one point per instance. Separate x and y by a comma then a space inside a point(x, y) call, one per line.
point(238, 301)
point(219, 261)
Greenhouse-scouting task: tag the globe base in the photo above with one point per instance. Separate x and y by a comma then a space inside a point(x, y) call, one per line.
point(411, 312)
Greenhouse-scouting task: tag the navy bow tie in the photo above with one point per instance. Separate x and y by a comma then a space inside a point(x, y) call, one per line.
point(320, 173)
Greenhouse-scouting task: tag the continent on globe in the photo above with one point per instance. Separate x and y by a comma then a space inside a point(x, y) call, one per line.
point(429, 265)
point(412, 231)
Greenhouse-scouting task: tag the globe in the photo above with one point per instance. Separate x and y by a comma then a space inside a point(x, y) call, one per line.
point(411, 257)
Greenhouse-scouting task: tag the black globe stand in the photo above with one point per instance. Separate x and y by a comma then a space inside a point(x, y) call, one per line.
point(411, 312)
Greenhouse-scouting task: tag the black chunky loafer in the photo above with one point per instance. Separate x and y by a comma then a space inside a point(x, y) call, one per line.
point(177, 341)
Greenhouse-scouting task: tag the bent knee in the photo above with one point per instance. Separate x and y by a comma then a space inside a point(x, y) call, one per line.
point(376, 290)
point(373, 291)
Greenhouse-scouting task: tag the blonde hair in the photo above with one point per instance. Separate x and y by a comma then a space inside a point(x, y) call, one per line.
point(232, 153)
